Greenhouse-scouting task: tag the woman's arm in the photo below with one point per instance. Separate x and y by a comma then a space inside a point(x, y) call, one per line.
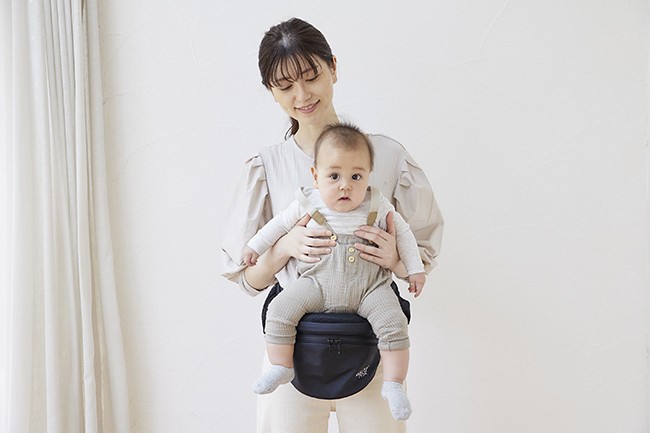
point(268, 264)
point(301, 243)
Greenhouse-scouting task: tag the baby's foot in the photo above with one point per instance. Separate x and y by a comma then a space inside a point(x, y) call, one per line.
point(273, 378)
point(399, 403)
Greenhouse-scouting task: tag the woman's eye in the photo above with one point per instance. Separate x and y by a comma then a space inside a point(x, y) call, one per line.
point(334, 176)
point(313, 79)
point(356, 176)
point(284, 89)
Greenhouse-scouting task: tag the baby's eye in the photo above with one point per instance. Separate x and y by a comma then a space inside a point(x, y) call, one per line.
point(356, 177)
point(334, 176)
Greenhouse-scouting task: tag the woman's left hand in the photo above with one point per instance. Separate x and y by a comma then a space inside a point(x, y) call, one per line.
point(384, 253)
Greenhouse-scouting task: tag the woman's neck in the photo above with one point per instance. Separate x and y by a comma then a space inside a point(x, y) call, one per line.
point(308, 134)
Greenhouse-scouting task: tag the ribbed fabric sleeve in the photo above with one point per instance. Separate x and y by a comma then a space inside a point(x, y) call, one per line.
point(276, 228)
point(407, 246)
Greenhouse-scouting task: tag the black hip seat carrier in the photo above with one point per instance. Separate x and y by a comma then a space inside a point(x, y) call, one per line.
point(335, 354)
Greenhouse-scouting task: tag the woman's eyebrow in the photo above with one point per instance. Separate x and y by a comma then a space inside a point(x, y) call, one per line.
point(281, 82)
point(308, 69)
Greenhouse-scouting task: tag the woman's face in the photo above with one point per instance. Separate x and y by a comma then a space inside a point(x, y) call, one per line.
point(308, 99)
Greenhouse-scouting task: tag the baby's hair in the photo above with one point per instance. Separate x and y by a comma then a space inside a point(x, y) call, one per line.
point(345, 136)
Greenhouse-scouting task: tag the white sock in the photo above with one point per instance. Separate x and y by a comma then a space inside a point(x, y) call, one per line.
point(399, 403)
point(273, 378)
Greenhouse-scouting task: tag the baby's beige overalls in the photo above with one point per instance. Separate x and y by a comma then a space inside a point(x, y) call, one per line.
point(341, 282)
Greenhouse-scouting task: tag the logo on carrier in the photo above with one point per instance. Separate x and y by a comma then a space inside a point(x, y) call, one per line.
point(363, 372)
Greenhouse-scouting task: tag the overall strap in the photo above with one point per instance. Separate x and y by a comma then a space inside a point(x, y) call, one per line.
point(374, 205)
point(312, 211)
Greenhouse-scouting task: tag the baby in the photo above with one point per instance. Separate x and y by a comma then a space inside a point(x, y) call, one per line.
point(341, 282)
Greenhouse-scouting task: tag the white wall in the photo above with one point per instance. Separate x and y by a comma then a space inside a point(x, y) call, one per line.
point(530, 119)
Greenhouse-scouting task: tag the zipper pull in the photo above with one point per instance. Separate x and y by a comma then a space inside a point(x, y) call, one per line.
point(332, 341)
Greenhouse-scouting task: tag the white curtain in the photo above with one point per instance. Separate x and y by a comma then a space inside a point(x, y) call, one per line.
point(66, 370)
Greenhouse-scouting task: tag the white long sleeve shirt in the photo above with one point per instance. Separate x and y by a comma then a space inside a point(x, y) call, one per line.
point(342, 223)
point(266, 187)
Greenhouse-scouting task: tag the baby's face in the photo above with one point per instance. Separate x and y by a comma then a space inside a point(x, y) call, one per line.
point(342, 176)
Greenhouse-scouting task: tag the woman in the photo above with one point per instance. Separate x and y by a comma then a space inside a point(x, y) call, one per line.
point(297, 66)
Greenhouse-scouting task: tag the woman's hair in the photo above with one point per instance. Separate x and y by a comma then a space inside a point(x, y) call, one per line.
point(344, 136)
point(284, 50)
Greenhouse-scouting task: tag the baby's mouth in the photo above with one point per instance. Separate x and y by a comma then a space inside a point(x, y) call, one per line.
point(344, 199)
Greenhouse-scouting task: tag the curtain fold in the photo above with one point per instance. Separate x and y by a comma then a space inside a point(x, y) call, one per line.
point(66, 369)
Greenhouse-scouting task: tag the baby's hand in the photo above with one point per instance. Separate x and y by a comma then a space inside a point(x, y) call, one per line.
point(416, 283)
point(250, 256)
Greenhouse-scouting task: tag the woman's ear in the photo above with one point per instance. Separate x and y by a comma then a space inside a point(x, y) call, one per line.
point(335, 77)
point(314, 173)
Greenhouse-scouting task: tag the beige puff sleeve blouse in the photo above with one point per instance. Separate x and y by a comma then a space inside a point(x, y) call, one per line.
point(266, 187)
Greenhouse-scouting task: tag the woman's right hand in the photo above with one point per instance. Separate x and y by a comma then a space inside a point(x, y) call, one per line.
point(304, 243)
point(300, 242)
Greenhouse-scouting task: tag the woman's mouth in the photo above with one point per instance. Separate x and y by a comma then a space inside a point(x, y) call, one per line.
point(308, 108)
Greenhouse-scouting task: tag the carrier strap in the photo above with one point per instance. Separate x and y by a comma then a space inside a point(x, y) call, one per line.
point(320, 219)
point(311, 210)
point(374, 205)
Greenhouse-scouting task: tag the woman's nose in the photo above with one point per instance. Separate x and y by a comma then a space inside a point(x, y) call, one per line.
point(302, 92)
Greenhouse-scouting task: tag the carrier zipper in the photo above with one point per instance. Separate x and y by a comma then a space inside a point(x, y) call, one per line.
point(342, 341)
point(336, 341)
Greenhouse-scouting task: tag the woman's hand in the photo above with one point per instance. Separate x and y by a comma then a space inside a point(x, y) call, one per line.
point(384, 253)
point(304, 243)
point(298, 243)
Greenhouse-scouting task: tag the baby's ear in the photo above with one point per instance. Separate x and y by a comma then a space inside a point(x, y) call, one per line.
point(314, 173)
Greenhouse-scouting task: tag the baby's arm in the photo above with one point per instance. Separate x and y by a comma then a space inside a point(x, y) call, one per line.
point(416, 283)
point(270, 233)
point(250, 256)
point(409, 254)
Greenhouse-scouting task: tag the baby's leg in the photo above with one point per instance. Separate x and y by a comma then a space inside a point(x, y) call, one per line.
point(396, 364)
point(381, 308)
point(283, 316)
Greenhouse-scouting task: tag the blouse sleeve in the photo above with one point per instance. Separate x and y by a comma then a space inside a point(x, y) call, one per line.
point(414, 200)
point(249, 211)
